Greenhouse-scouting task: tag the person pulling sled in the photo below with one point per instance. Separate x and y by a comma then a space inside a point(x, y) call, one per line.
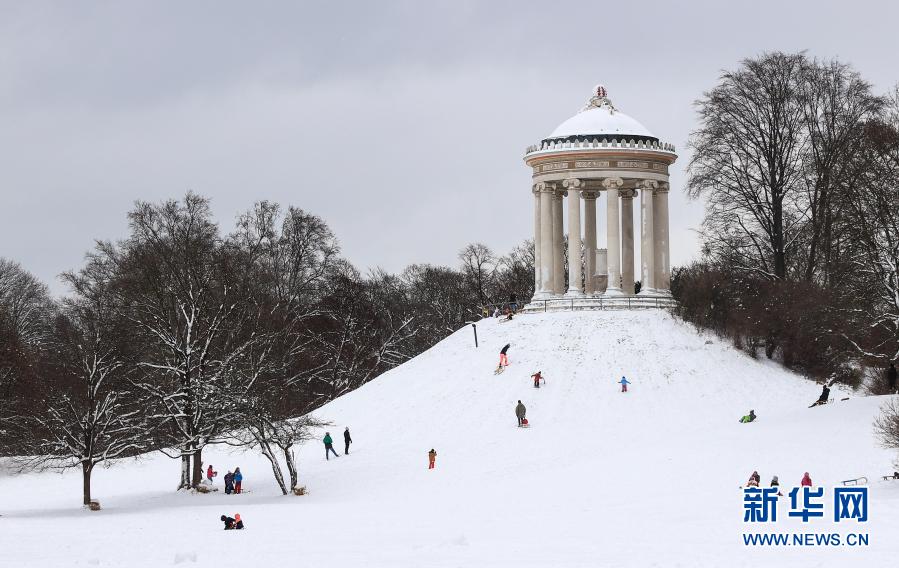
point(520, 411)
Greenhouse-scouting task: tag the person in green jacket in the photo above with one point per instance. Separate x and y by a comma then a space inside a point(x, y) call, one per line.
point(749, 417)
point(329, 446)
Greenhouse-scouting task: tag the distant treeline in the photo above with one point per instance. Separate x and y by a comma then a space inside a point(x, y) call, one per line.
point(182, 335)
point(798, 161)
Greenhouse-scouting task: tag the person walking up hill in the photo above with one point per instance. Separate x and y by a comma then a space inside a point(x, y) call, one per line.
point(432, 457)
point(520, 411)
point(329, 446)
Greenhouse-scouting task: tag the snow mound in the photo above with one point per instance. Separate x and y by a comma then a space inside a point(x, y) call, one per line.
point(602, 478)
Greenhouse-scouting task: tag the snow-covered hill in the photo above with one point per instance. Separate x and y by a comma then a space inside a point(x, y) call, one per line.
point(647, 478)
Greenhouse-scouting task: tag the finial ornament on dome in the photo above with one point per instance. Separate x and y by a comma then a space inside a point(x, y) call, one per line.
point(599, 99)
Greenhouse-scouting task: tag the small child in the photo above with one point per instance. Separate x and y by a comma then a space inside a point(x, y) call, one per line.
point(210, 473)
point(538, 376)
point(232, 523)
point(432, 457)
point(624, 382)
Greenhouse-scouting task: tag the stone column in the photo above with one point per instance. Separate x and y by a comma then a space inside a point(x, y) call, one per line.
point(660, 231)
point(558, 245)
point(546, 242)
point(647, 252)
point(538, 282)
point(627, 241)
point(575, 288)
point(590, 240)
point(613, 246)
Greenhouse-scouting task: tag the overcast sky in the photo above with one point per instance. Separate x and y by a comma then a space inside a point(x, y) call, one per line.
point(402, 124)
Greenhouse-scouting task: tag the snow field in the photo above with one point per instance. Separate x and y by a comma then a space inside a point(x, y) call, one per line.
point(646, 478)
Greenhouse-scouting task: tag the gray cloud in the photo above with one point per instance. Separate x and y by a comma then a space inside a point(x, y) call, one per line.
point(402, 124)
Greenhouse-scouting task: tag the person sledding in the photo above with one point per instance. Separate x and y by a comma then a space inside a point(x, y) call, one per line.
point(624, 382)
point(825, 394)
point(503, 359)
point(538, 376)
point(748, 418)
point(776, 483)
point(754, 480)
point(520, 411)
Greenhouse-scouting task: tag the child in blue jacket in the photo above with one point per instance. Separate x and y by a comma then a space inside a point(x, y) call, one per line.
point(624, 382)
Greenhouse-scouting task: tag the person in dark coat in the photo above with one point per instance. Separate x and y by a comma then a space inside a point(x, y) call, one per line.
point(825, 394)
point(891, 377)
point(232, 523)
point(520, 410)
point(229, 483)
point(346, 441)
point(513, 302)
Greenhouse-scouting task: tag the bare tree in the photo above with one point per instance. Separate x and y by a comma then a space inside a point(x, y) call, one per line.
point(187, 299)
point(89, 415)
point(836, 105)
point(872, 204)
point(747, 162)
point(479, 266)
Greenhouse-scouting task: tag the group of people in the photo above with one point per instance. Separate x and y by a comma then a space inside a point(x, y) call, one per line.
point(755, 480)
point(822, 399)
point(329, 443)
point(233, 481)
point(499, 310)
point(232, 523)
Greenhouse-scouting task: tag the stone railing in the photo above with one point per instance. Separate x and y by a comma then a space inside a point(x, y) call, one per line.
point(600, 303)
point(600, 144)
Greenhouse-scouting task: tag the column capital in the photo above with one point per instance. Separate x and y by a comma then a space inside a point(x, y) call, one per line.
point(559, 194)
point(572, 183)
point(589, 193)
point(627, 193)
point(612, 183)
point(664, 187)
point(544, 187)
point(649, 184)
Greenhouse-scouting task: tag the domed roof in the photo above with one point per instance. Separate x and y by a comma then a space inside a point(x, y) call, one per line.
point(601, 119)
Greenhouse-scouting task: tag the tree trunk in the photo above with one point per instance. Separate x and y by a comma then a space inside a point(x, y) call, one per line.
point(291, 467)
point(86, 469)
point(185, 472)
point(197, 477)
point(276, 467)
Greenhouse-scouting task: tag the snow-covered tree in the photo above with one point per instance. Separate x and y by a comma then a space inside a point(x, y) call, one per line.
point(88, 414)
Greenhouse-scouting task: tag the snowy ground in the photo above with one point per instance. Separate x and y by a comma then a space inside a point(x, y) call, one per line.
point(647, 478)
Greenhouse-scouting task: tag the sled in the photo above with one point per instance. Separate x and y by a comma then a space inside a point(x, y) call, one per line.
point(889, 477)
point(856, 481)
point(524, 423)
point(499, 370)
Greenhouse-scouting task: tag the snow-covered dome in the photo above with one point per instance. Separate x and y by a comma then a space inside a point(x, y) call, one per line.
point(599, 118)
